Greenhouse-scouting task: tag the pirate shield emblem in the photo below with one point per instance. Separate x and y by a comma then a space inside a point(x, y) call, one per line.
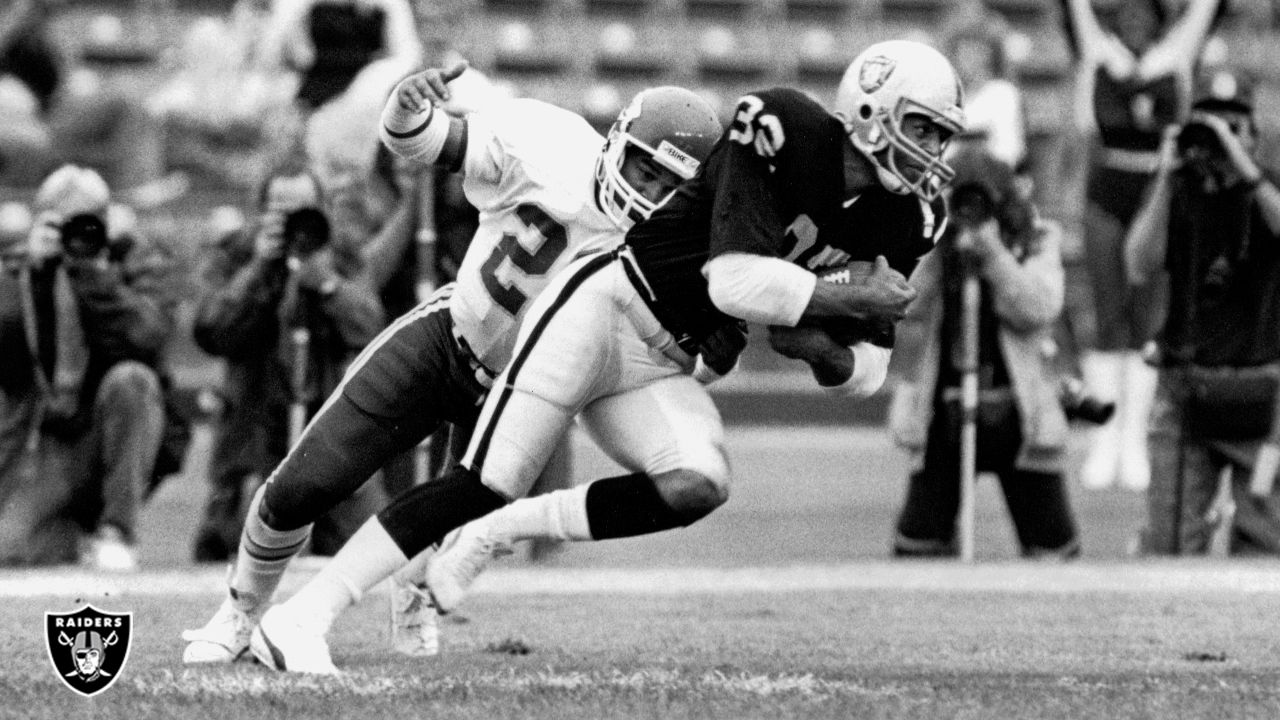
point(875, 73)
point(88, 648)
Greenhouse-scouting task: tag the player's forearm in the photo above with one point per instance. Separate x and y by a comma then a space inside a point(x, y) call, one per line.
point(1088, 31)
point(1267, 195)
point(831, 299)
point(759, 289)
point(1146, 242)
point(429, 137)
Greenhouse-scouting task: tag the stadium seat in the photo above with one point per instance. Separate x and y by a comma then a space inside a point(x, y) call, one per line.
point(1048, 63)
point(725, 10)
point(524, 47)
point(1029, 14)
point(637, 51)
point(820, 54)
point(923, 14)
point(728, 55)
point(832, 13)
point(516, 7)
point(617, 8)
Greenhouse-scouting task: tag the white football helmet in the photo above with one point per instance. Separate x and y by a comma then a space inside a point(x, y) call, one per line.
point(674, 126)
point(888, 81)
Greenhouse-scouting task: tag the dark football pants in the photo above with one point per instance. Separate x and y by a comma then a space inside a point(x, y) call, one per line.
point(409, 381)
point(1037, 502)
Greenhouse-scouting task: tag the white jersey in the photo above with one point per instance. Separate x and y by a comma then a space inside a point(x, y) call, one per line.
point(530, 171)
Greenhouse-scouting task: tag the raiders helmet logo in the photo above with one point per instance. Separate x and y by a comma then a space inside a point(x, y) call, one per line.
point(88, 647)
point(875, 73)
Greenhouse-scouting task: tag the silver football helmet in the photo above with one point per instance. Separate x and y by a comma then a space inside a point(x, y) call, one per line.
point(887, 82)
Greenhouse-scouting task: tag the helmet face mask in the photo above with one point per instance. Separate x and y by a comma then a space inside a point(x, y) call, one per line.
point(886, 83)
point(673, 127)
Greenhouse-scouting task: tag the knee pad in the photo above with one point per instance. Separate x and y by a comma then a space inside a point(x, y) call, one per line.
point(690, 494)
point(633, 505)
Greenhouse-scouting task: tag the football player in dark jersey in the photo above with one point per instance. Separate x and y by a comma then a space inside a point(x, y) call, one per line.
point(790, 190)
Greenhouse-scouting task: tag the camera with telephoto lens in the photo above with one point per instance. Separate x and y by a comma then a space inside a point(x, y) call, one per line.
point(305, 231)
point(972, 204)
point(1198, 137)
point(83, 236)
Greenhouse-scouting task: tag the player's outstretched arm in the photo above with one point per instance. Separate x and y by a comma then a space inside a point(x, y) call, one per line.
point(411, 126)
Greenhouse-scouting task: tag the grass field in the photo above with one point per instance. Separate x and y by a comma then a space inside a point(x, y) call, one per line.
point(781, 605)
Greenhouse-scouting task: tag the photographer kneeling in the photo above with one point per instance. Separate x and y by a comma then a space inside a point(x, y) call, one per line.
point(1212, 221)
point(83, 324)
point(287, 307)
point(1021, 428)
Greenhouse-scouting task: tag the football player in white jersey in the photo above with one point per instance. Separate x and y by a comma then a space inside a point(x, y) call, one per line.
point(549, 189)
point(789, 191)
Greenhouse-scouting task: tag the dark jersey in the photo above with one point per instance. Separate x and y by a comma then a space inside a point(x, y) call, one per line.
point(773, 185)
point(1224, 274)
point(1131, 113)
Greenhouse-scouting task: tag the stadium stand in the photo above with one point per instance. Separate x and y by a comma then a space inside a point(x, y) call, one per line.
point(589, 55)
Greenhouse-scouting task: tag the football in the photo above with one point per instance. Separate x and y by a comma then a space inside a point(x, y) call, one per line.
point(845, 274)
point(849, 331)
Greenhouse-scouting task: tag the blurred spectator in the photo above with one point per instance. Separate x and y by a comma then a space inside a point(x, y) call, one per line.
point(1134, 74)
point(414, 224)
point(328, 42)
point(82, 118)
point(262, 285)
point(84, 319)
point(994, 114)
point(1212, 221)
point(1021, 428)
point(996, 124)
point(31, 69)
point(226, 108)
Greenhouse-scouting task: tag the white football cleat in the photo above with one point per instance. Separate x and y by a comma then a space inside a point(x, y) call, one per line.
point(224, 639)
point(453, 569)
point(282, 643)
point(414, 630)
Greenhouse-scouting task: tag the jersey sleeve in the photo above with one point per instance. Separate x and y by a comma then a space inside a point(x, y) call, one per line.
point(745, 215)
point(506, 138)
point(764, 165)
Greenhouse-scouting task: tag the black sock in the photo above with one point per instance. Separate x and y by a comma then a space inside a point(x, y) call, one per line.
point(422, 517)
point(630, 505)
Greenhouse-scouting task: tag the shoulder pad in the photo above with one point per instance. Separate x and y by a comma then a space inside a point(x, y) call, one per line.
point(764, 119)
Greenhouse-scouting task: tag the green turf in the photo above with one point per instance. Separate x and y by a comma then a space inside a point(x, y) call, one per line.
point(863, 653)
point(800, 496)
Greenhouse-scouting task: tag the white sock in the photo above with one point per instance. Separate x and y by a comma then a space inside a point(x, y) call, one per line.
point(560, 515)
point(413, 572)
point(263, 556)
point(1135, 412)
point(368, 558)
point(1104, 377)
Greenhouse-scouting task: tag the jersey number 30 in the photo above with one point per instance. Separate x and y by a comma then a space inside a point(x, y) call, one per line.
point(554, 242)
point(759, 129)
